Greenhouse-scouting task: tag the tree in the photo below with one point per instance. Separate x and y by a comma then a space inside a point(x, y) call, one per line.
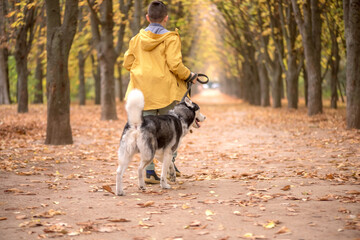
point(293, 55)
point(136, 23)
point(59, 40)
point(310, 28)
point(124, 9)
point(334, 58)
point(96, 75)
point(84, 50)
point(39, 73)
point(352, 34)
point(239, 25)
point(24, 38)
point(274, 64)
point(4, 77)
point(102, 30)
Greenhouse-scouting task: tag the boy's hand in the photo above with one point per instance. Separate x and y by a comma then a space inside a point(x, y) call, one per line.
point(191, 76)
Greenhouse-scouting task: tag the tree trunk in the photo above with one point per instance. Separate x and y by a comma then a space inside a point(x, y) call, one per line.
point(24, 37)
point(107, 55)
point(264, 83)
point(22, 86)
point(107, 58)
point(292, 82)
point(120, 81)
point(352, 33)
point(306, 85)
point(276, 84)
point(39, 75)
point(334, 64)
point(310, 29)
point(97, 82)
point(59, 40)
point(4, 77)
point(108, 105)
point(82, 92)
point(136, 23)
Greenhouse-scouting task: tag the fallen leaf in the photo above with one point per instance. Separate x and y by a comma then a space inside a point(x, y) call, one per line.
point(13, 190)
point(203, 233)
point(328, 197)
point(185, 206)
point(286, 188)
point(248, 235)
point(195, 223)
point(56, 228)
point(106, 229)
point(145, 225)
point(237, 213)
point(119, 220)
point(32, 223)
point(147, 204)
point(3, 218)
point(108, 189)
point(283, 230)
point(209, 213)
point(25, 173)
point(269, 225)
point(353, 192)
point(49, 214)
point(291, 209)
point(21, 217)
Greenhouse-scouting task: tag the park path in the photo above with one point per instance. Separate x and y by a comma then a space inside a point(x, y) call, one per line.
point(247, 173)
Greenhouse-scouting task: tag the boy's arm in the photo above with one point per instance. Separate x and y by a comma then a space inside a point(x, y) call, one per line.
point(128, 60)
point(174, 58)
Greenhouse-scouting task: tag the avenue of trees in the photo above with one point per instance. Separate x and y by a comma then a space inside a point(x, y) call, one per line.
point(56, 51)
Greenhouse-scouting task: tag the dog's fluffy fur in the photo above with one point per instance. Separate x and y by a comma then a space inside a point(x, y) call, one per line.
point(154, 135)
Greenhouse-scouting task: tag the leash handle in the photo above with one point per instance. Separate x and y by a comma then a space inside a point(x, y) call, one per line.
point(189, 83)
point(198, 77)
point(202, 75)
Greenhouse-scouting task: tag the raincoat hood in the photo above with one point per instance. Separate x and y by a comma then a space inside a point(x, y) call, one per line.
point(150, 40)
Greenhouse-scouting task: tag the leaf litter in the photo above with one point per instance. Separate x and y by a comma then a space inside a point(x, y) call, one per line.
point(241, 163)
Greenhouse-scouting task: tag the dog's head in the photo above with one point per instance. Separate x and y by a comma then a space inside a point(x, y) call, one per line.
point(190, 112)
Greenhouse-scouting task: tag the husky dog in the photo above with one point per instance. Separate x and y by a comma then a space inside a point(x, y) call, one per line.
point(154, 135)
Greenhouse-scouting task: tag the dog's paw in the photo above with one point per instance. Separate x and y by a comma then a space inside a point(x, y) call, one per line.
point(172, 178)
point(120, 193)
point(142, 188)
point(165, 186)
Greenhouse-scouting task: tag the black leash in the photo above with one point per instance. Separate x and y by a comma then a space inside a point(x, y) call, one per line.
point(189, 83)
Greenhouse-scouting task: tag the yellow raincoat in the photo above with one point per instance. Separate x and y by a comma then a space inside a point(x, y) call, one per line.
point(156, 68)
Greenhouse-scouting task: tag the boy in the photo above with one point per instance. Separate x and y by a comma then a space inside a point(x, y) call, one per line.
point(155, 63)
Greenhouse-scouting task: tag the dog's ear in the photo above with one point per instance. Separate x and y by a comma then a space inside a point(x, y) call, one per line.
point(188, 102)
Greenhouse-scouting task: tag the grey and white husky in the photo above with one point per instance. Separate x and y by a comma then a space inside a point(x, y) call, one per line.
point(152, 136)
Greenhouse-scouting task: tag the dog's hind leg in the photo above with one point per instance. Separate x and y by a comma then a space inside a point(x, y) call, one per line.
point(172, 173)
point(124, 160)
point(143, 164)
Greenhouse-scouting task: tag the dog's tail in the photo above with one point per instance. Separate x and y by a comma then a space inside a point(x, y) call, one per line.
point(134, 107)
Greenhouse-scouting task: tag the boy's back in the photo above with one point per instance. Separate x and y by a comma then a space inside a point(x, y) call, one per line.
point(155, 63)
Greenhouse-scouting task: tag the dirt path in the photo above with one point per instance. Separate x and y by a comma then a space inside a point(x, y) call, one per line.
point(247, 173)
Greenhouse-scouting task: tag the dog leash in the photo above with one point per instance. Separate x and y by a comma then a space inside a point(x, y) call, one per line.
point(189, 83)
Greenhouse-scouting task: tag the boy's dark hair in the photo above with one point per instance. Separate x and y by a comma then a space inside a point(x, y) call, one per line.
point(157, 11)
